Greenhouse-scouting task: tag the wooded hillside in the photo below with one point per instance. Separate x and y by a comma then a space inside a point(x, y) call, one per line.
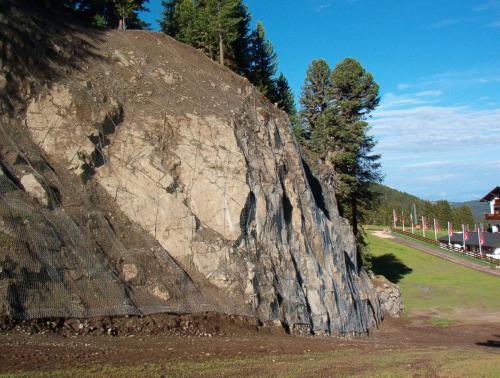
point(442, 211)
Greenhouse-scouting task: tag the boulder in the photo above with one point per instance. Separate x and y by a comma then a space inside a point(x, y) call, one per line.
point(389, 295)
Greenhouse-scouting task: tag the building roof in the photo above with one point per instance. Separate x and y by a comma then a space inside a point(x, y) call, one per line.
point(495, 192)
point(491, 240)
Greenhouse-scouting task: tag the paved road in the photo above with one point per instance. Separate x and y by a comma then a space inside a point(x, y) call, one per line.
point(445, 256)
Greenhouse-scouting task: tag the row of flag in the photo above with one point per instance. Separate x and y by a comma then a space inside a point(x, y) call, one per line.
point(425, 227)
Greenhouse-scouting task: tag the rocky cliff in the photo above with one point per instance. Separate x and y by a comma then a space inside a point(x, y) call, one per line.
point(144, 178)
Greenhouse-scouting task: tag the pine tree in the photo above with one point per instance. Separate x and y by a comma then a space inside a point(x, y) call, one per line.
point(185, 19)
point(284, 95)
point(223, 21)
point(354, 96)
point(263, 63)
point(168, 23)
point(218, 27)
point(109, 13)
point(443, 212)
point(124, 8)
point(462, 215)
point(316, 93)
point(335, 105)
point(240, 50)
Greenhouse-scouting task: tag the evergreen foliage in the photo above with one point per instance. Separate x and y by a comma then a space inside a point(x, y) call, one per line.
point(316, 93)
point(221, 28)
point(336, 140)
point(218, 27)
point(335, 105)
point(284, 96)
point(263, 63)
point(442, 211)
point(100, 12)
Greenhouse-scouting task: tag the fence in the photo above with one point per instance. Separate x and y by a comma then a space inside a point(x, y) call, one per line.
point(461, 250)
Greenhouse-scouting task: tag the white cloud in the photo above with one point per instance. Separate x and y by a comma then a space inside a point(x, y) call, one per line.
point(429, 149)
point(495, 24)
point(322, 7)
point(452, 79)
point(445, 23)
point(429, 94)
point(392, 100)
point(487, 6)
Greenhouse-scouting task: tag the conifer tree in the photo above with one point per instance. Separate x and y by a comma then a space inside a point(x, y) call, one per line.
point(443, 212)
point(168, 22)
point(186, 20)
point(124, 8)
point(109, 13)
point(284, 95)
point(218, 27)
point(354, 96)
point(223, 19)
point(316, 92)
point(240, 49)
point(335, 105)
point(263, 63)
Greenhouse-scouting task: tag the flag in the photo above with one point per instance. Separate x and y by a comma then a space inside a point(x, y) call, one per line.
point(481, 238)
point(414, 212)
point(450, 229)
point(466, 234)
point(411, 219)
point(436, 225)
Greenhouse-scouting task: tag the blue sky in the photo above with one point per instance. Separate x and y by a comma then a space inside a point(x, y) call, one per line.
point(438, 66)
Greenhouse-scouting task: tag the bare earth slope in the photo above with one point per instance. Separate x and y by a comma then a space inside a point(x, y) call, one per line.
point(145, 178)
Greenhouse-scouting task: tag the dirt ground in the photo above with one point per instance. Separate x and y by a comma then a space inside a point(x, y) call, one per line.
point(20, 352)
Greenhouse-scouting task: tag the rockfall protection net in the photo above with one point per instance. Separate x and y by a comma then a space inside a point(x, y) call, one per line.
point(56, 261)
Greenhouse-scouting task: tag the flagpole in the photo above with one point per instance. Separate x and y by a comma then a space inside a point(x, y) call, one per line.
point(411, 221)
point(435, 230)
point(479, 241)
point(403, 220)
point(463, 235)
point(449, 235)
point(423, 226)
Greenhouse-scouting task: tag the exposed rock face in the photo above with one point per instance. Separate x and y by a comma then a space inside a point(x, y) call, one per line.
point(389, 295)
point(35, 189)
point(191, 196)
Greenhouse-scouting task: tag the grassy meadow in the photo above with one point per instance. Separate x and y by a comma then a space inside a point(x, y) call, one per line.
point(439, 289)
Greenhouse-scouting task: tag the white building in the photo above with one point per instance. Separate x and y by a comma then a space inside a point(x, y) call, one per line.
point(493, 217)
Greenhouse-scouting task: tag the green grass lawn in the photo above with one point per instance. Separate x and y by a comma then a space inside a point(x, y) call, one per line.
point(449, 252)
point(433, 286)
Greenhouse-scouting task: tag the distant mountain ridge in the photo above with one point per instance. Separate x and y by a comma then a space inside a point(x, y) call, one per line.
point(478, 208)
point(389, 199)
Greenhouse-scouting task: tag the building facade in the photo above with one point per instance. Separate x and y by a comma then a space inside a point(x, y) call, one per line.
point(493, 217)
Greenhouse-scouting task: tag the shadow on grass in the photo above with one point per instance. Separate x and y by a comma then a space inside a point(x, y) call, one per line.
point(390, 266)
point(491, 343)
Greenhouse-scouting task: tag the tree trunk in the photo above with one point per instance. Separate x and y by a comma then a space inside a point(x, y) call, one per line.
point(120, 24)
point(221, 49)
point(123, 22)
